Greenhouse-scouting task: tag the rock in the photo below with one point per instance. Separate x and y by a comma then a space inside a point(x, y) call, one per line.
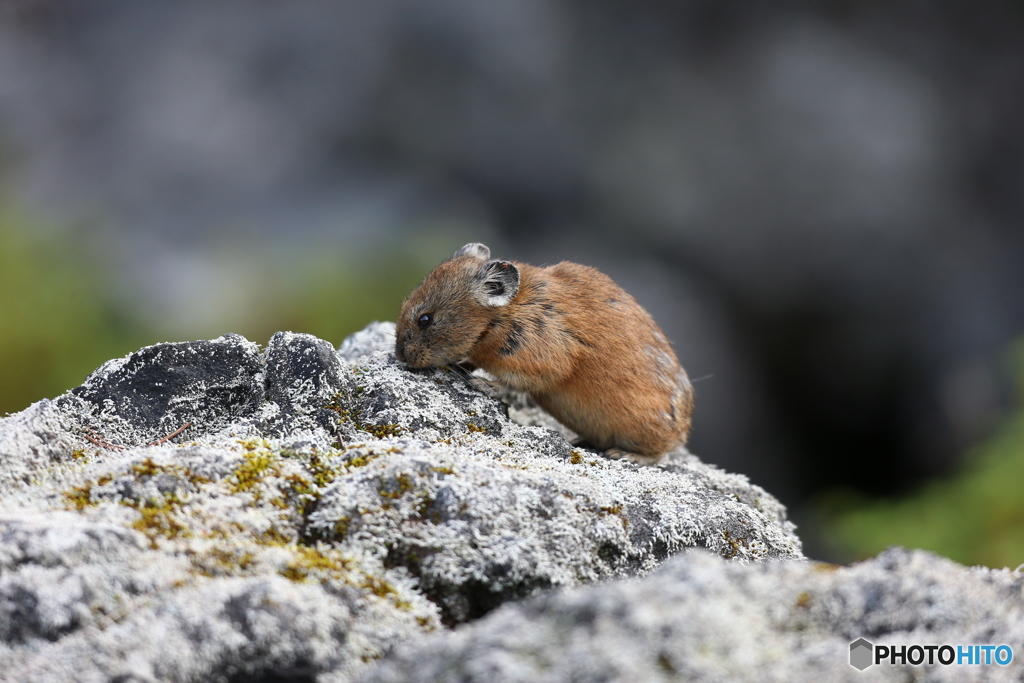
point(319, 508)
point(330, 515)
point(377, 337)
point(701, 618)
point(147, 394)
point(303, 376)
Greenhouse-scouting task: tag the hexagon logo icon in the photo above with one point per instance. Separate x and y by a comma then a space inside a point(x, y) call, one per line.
point(861, 652)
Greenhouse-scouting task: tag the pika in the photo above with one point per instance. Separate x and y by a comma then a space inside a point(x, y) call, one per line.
point(567, 335)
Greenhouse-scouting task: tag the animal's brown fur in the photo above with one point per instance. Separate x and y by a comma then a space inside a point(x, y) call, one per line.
point(583, 348)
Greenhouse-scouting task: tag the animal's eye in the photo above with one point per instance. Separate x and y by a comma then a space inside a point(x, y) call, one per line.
point(424, 320)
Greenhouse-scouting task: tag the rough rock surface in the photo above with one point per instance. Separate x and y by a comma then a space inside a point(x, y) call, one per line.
point(329, 515)
point(699, 618)
point(318, 508)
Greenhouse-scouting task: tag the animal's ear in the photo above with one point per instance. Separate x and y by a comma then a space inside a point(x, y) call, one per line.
point(474, 249)
point(496, 283)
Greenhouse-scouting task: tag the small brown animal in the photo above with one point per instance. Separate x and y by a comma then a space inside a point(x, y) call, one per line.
point(567, 335)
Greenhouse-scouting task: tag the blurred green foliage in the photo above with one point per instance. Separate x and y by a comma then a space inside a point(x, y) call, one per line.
point(54, 326)
point(975, 517)
point(334, 298)
point(59, 320)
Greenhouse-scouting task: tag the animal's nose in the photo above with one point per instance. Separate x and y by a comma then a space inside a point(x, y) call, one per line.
point(399, 352)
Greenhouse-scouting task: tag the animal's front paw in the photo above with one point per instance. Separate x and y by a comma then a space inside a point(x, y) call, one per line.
point(488, 387)
point(619, 454)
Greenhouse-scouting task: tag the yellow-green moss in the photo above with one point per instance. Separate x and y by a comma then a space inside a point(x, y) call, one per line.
point(310, 560)
point(323, 473)
point(157, 518)
point(146, 468)
point(318, 562)
point(735, 544)
point(351, 415)
point(233, 549)
point(378, 586)
point(423, 508)
point(221, 561)
point(361, 460)
point(381, 431)
point(344, 414)
point(252, 470)
point(80, 497)
point(272, 536)
point(401, 485)
point(300, 486)
point(586, 507)
point(341, 527)
point(323, 563)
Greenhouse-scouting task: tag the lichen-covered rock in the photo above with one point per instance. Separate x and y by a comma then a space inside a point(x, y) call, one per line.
point(303, 375)
point(377, 337)
point(698, 618)
point(319, 508)
point(482, 526)
point(153, 391)
point(184, 564)
point(86, 601)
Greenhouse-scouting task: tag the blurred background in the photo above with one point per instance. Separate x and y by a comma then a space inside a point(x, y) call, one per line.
point(822, 203)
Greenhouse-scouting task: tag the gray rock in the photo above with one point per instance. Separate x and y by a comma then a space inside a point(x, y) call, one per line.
point(303, 376)
point(701, 618)
point(319, 509)
point(31, 440)
point(377, 337)
point(153, 391)
point(328, 516)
